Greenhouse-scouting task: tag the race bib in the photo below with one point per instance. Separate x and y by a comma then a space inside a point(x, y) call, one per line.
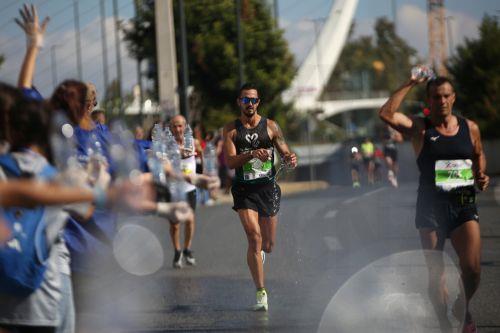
point(452, 174)
point(256, 169)
point(188, 165)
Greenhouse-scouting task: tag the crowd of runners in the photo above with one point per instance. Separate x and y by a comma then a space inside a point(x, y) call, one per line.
point(58, 215)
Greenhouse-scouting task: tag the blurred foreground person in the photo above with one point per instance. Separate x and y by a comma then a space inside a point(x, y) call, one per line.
point(249, 144)
point(451, 162)
point(188, 167)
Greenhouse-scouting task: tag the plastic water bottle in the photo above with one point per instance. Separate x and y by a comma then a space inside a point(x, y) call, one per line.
point(188, 138)
point(422, 72)
point(121, 149)
point(156, 132)
point(210, 160)
point(95, 156)
point(176, 186)
point(156, 167)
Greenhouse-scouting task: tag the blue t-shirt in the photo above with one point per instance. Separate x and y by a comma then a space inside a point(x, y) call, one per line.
point(141, 147)
point(83, 142)
point(32, 93)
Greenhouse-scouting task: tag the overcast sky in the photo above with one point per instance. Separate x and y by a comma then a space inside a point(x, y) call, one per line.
point(294, 15)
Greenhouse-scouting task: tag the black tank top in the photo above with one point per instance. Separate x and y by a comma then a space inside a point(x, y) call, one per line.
point(440, 147)
point(254, 171)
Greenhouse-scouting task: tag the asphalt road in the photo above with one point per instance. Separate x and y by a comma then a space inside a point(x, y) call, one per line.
point(324, 237)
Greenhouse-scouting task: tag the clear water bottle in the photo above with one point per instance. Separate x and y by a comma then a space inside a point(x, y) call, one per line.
point(210, 160)
point(156, 132)
point(96, 158)
point(188, 139)
point(156, 167)
point(176, 186)
point(422, 72)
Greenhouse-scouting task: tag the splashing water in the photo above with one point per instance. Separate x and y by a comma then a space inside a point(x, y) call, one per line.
point(393, 294)
point(62, 142)
point(137, 250)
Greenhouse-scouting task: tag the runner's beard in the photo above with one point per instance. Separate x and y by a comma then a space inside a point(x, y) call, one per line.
point(249, 113)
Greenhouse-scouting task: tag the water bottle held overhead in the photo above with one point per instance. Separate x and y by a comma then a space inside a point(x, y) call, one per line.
point(422, 72)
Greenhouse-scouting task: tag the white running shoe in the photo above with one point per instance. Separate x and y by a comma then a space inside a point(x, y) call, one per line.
point(177, 263)
point(261, 304)
point(392, 178)
point(189, 257)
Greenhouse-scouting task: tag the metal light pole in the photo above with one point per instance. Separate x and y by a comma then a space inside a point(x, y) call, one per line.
point(241, 65)
point(118, 57)
point(184, 104)
point(450, 34)
point(53, 65)
point(77, 39)
point(104, 46)
point(316, 22)
point(139, 73)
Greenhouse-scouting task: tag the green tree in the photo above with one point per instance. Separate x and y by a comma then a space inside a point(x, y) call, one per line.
point(2, 59)
point(476, 72)
point(213, 55)
point(384, 60)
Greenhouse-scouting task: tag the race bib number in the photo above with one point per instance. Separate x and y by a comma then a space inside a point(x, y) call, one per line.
point(452, 174)
point(185, 169)
point(188, 165)
point(256, 169)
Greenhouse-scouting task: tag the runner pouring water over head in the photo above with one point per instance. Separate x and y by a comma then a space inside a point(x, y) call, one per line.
point(249, 144)
point(451, 162)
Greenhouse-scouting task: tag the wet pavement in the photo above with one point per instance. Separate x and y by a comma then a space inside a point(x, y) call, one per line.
point(324, 237)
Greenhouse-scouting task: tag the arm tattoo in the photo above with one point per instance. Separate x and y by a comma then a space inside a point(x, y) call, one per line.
point(279, 134)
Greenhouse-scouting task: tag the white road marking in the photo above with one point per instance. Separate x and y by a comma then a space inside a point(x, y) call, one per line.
point(353, 199)
point(350, 200)
point(374, 191)
point(330, 214)
point(332, 243)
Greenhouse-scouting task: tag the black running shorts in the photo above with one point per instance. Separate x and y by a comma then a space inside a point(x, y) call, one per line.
point(443, 212)
point(262, 198)
point(191, 199)
point(163, 195)
point(391, 152)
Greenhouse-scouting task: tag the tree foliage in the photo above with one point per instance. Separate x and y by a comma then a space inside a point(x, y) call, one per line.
point(213, 54)
point(476, 72)
point(384, 60)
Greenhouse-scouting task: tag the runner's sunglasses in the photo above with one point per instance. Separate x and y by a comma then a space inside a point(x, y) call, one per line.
point(247, 100)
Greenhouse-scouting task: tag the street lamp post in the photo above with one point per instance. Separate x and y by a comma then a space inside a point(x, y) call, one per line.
point(450, 34)
point(53, 65)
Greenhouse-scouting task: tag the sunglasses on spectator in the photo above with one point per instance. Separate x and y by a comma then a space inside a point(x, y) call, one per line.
point(248, 100)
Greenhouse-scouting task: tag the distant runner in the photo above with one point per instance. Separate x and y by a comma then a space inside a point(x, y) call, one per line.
point(356, 161)
point(451, 162)
point(249, 144)
point(367, 151)
point(391, 137)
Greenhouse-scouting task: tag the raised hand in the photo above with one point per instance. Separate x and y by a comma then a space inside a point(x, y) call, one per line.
point(30, 24)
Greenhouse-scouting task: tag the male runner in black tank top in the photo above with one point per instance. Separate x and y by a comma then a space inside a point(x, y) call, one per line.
point(249, 144)
point(451, 161)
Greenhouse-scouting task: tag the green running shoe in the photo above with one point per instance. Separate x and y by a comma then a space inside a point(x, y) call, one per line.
point(261, 301)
